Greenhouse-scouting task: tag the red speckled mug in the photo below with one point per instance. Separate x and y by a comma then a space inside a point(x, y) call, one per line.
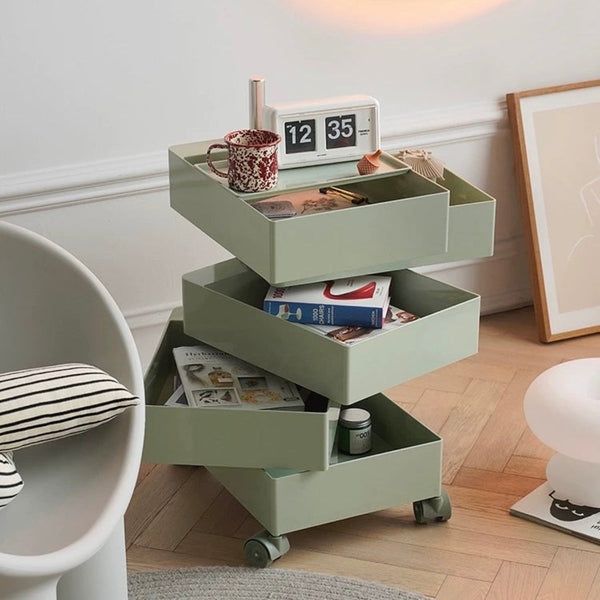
point(252, 159)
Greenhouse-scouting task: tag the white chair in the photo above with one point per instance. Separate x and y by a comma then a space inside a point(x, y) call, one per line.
point(62, 537)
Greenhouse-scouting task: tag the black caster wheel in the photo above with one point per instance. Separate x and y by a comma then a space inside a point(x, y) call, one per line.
point(433, 510)
point(261, 550)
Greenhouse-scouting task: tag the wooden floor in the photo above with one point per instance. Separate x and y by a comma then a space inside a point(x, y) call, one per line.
point(180, 516)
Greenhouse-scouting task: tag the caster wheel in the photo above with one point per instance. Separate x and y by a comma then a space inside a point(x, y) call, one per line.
point(257, 554)
point(433, 510)
point(261, 550)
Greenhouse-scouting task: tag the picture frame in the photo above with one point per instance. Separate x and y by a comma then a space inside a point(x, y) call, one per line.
point(556, 136)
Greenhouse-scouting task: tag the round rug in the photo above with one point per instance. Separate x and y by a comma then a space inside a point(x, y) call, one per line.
point(232, 583)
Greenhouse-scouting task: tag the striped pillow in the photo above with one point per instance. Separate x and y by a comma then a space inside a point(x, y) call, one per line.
point(10, 481)
point(49, 403)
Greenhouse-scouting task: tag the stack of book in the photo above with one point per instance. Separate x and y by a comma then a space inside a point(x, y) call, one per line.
point(347, 310)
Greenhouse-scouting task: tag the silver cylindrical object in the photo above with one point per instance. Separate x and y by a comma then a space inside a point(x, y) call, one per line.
point(257, 102)
point(354, 431)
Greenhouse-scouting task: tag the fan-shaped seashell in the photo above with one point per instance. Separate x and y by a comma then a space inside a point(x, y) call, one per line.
point(423, 163)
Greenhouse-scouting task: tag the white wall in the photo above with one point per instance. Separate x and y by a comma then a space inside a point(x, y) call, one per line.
point(92, 93)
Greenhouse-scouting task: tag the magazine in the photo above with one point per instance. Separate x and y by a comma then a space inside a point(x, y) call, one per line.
point(396, 317)
point(361, 301)
point(177, 398)
point(308, 202)
point(546, 507)
point(212, 378)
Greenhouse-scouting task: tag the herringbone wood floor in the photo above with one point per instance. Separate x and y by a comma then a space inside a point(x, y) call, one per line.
point(181, 516)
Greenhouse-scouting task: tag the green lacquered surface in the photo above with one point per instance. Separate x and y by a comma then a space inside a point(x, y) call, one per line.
point(222, 306)
point(227, 437)
point(297, 179)
point(471, 223)
point(408, 219)
point(404, 466)
point(471, 226)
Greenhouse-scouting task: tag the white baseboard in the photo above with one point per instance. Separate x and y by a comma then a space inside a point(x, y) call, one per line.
point(147, 334)
point(150, 316)
point(156, 317)
point(499, 269)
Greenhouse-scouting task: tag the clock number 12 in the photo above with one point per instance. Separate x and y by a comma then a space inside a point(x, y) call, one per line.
point(304, 131)
point(300, 136)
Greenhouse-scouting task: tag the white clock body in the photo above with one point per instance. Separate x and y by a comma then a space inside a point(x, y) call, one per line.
point(324, 131)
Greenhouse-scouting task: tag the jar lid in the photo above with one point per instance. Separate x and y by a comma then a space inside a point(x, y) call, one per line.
point(355, 418)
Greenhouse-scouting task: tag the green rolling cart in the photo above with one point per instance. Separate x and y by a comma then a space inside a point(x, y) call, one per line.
point(283, 466)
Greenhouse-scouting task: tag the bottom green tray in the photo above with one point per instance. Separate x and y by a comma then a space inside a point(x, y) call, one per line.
point(404, 466)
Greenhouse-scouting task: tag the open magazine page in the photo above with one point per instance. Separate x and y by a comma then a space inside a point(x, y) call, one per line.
point(396, 317)
point(544, 506)
point(212, 378)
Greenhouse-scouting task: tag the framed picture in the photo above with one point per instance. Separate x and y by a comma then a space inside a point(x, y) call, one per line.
point(556, 133)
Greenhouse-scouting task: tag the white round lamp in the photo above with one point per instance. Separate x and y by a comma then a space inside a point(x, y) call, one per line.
point(575, 480)
point(562, 408)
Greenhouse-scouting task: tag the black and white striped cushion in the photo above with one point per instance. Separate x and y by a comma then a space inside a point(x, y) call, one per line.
point(49, 403)
point(10, 481)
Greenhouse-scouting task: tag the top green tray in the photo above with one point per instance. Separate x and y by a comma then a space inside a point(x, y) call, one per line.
point(410, 222)
point(301, 178)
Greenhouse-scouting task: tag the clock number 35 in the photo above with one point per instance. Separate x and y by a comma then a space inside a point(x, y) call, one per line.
point(342, 126)
point(341, 131)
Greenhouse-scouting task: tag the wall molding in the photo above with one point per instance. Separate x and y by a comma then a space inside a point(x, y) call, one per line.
point(440, 127)
point(132, 175)
point(82, 183)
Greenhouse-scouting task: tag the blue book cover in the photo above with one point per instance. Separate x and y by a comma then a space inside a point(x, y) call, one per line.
point(361, 301)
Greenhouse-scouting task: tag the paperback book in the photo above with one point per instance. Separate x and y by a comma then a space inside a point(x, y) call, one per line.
point(359, 301)
point(351, 334)
point(211, 378)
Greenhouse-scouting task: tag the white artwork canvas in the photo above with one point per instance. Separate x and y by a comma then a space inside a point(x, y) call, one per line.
point(557, 136)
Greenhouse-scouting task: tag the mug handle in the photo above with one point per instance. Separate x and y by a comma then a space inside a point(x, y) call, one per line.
point(210, 163)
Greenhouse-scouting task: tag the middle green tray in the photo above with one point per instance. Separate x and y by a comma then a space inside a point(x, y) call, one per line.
point(223, 307)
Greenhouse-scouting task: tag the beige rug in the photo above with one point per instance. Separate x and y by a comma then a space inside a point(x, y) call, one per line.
point(231, 583)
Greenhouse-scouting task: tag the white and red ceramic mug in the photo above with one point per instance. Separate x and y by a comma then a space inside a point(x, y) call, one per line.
point(252, 159)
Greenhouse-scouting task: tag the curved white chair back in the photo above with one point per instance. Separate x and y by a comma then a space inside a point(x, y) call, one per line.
point(53, 310)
